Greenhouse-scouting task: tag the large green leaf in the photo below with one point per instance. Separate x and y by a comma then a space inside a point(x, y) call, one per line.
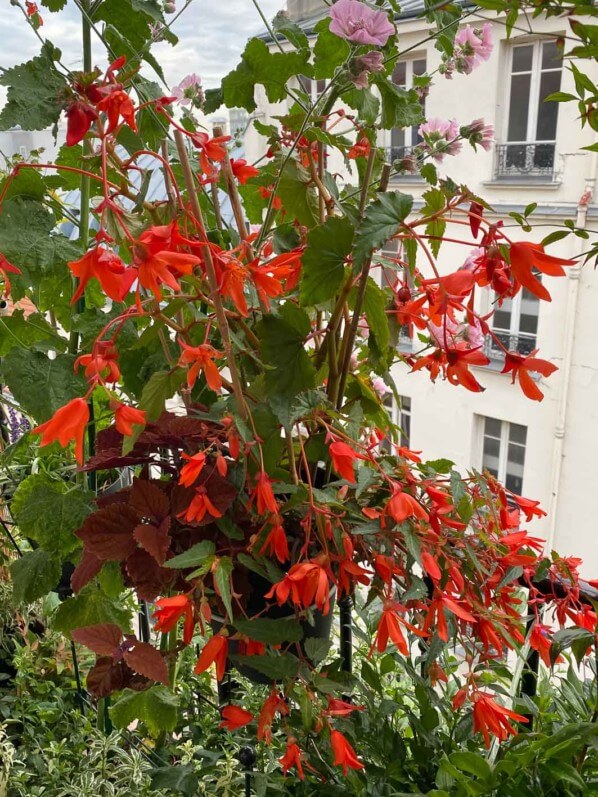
point(382, 219)
point(400, 107)
point(328, 246)
point(330, 51)
point(41, 385)
point(274, 667)
point(161, 386)
point(273, 632)
point(157, 708)
point(34, 575)
point(374, 306)
point(283, 348)
point(90, 607)
point(298, 195)
point(27, 241)
point(34, 99)
point(29, 333)
point(50, 512)
point(270, 69)
point(365, 102)
point(222, 582)
point(285, 26)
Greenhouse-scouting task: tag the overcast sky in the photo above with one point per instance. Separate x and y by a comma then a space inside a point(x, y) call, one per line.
point(212, 35)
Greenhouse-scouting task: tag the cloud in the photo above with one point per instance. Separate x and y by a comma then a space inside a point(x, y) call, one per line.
point(212, 35)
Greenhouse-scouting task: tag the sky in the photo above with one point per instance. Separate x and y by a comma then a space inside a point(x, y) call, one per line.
point(212, 35)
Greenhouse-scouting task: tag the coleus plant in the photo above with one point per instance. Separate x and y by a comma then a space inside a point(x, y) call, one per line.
point(275, 484)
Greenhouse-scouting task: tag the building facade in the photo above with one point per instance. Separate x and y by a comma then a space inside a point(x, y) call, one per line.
point(546, 450)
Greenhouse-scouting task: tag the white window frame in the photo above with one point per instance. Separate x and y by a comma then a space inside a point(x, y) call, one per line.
point(313, 93)
point(514, 330)
point(534, 90)
point(398, 416)
point(503, 449)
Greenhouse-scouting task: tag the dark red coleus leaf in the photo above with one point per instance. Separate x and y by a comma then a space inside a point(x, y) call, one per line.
point(103, 639)
point(106, 677)
point(149, 500)
point(155, 539)
point(147, 577)
point(89, 566)
point(108, 533)
point(144, 659)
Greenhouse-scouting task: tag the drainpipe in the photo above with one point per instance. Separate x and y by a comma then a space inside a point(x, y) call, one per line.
point(574, 275)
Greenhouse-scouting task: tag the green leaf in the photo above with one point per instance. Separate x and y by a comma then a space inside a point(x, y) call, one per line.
point(290, 30)
point(179, 777)
point(157, 708)
point(374, 306)
point(473, 763)
point(222, 582)
point(54, 5)
point(41, 385)
point(50, 512)
point(90, 607)
point(316, 648)
point(161, 386)
point(274, 667)
point(383, 218)
point(26, 240)
point(32, 332)
point(273, 632)
point(261, 66)
point(194, 557)
point(283, 347)
point(34, 93)
point(34, 575)
point(365, 102)
point(330, 51)
point(328, 246)
point(400, 107)
point(298, 195)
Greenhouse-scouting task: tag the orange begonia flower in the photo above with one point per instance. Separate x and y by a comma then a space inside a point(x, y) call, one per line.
point(215, 652)
point(169, 612)
point(519, 367)
point(125, 417)
point(68, 423)
point(344, 754)
point(201, 359)
point(235, 717)
point(190, 472)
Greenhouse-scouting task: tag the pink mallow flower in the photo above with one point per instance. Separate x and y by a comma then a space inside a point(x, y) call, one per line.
point(357, 22)
point(189, 91)
point(440, 138)
point(472, 46)
point(363, 65)
point(478, 133)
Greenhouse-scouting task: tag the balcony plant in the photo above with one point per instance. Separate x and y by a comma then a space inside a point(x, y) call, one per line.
point(227, 344)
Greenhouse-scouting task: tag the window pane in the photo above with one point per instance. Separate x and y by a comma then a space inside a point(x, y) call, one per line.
point(305, 84)
point(517, 433)
point(515, 457)
point(551, 56)
point(522, 58)
point(514, 483)
point(419, 66)
point(547, 111)
point(405, 424)
point(492, 427)
point(397, 139)
point(501, 320)
point(405, 404)
point(320, 86)
point(399, 73)
point(519, 107)
point(530, 308)
point(491, 455)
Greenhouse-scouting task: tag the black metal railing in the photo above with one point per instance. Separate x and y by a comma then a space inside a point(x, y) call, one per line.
point(525, 160)
point(521, 343)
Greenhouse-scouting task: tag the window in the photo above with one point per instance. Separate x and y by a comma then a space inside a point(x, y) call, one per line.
point(530, 129)
point(515, 323)
point(401, 417)
point(503, 452)
point(313, 88)
point(403, 140)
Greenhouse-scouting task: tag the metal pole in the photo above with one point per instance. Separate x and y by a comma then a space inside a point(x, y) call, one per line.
point(247, 759)
point(346, 632)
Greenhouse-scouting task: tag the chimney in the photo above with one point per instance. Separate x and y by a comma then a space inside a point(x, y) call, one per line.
point(302, 9)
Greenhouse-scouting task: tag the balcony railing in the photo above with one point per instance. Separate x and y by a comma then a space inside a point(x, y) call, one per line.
point(522, 160)
point(521, 343)
point(398, 153)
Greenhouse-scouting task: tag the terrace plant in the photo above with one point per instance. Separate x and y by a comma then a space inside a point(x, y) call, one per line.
point(227, 343)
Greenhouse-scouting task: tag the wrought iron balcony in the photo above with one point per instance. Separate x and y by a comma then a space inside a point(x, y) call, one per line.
point(398, 153)
point(522, 160)
point(521, 343)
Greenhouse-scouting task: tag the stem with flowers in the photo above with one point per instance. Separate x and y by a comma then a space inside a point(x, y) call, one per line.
point(235, 355)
